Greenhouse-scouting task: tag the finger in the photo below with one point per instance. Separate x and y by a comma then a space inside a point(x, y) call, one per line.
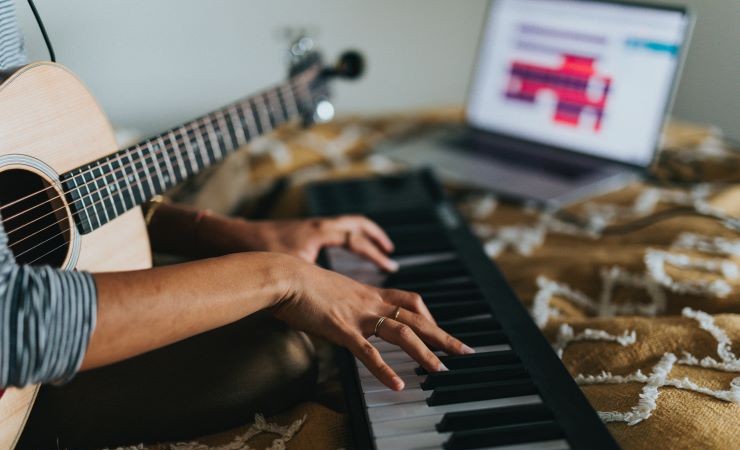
point(364, 247)
point(434, 336)
point(370, 357)
point(407, 300)
point(376, 233)
point(403, 336)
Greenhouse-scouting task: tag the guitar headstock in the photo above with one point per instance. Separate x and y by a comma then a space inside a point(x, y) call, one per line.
point(309, 72)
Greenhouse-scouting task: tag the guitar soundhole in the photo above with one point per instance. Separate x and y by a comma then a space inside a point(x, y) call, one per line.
point(34, 217)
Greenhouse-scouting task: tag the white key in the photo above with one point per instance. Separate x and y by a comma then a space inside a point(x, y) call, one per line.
point(401, 369)
point(413, 425)
point(416, 260)
point(420, 408)
point(412, 441)
point(373, 384)
point(400, 356)
point(389, 397)
point(556, 444)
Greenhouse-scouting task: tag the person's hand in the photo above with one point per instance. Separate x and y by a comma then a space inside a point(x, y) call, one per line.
point(346, 312)
point(305, 238)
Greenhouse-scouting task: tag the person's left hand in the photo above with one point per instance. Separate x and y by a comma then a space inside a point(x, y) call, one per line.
point(305, 238)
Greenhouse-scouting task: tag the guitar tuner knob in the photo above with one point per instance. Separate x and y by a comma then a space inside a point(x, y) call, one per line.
point(351, 65)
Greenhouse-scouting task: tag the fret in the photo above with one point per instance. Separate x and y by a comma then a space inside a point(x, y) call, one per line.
point(249, 119)
point(234, 114)
point(142, 168)
point(153, 160)
point(128, 178)
point(134, 173)
point(201, 146)
point(77, 200)
point(264, 123)
point(101, 191)
point(289, 99)
point(113, 187)
point(164, 151)
point(211, 135)
point(89, 197)
point(192, 152)
point(221, 122)
point(275, 107)
point(178, 156)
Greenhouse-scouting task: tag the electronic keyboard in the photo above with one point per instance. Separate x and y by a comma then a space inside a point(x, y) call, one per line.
point(513, 393)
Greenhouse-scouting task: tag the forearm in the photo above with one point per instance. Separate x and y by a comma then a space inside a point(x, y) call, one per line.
point(143, 310)
point(182, 230)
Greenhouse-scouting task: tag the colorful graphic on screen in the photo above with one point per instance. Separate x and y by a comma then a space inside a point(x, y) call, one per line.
point(579, 88)
point(587, 76)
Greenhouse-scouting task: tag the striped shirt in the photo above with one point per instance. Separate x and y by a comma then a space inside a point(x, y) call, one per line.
point(47, 315)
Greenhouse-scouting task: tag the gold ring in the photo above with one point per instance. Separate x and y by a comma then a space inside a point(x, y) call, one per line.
point(378, 324)
point(396, 313)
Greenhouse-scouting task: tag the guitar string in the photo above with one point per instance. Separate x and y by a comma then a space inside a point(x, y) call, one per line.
point(132, 162)
point(174, 163)
point(183, 133)
point(295, 82)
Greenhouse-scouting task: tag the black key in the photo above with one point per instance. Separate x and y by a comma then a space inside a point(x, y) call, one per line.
point(493, 417)
point(479, 338)
point(427, 272)
point(424, 289)
point(391, 219)
point(504, 435)
point(483, 359)
point(435, 285)
point(469, 326)
point(454, 295)
point(447, 395)
point(419, 239)
point(477, 375)
point(458, 310)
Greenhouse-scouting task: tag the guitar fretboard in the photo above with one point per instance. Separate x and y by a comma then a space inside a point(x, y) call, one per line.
point(104, 189)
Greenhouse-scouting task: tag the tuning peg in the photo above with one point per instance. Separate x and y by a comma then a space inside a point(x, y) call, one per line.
point(350, 65)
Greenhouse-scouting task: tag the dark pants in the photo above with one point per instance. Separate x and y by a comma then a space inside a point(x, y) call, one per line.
point(202, 385)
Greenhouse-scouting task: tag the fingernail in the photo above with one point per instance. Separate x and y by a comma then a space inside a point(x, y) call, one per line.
point(443, 368)
point(392, 266)
point(398, 383)
point(467, 350)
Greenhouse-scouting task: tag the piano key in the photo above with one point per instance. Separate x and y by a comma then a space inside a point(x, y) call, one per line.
point(483, 338)
point(411, 425)
point(483, 418)
point(405, 262)
point(468, 376)
point(407, 368)
point(456, 310)
point(373, 384)
point(445, 395)
point(469, 326)
point(453, 295)
point(389, 397)
point(555, 444)
point(396, 355)
point(421, 408)
point(435, 285)
point(483, 359)
point(504, 435)
point(419, 441)
point(426, 273)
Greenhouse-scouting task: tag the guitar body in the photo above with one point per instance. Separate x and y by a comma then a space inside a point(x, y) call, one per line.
point(51, 124)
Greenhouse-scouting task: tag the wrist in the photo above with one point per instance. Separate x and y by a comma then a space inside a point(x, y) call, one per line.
point(281, 275)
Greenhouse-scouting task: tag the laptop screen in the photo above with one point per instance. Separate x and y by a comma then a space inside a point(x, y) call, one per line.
point(589, 76)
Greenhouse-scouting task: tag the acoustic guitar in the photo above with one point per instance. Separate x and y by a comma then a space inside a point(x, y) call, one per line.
point(70, 199)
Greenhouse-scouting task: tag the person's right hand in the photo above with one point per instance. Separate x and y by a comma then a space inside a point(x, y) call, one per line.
point(346, 312)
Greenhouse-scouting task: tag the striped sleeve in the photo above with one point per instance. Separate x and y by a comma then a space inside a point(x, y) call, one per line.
point(47, 316)
point(12, 51)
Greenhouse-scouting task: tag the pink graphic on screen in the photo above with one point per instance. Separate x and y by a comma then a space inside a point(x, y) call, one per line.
point(575, 81)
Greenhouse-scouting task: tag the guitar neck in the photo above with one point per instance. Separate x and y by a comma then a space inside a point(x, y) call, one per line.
point(104, 189)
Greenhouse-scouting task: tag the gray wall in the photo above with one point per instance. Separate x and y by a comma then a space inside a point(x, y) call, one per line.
point(155, 63)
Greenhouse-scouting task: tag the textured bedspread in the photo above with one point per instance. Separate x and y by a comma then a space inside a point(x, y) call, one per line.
point(638, 290)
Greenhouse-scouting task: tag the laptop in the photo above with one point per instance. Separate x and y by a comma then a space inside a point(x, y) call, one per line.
point(567, 100)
